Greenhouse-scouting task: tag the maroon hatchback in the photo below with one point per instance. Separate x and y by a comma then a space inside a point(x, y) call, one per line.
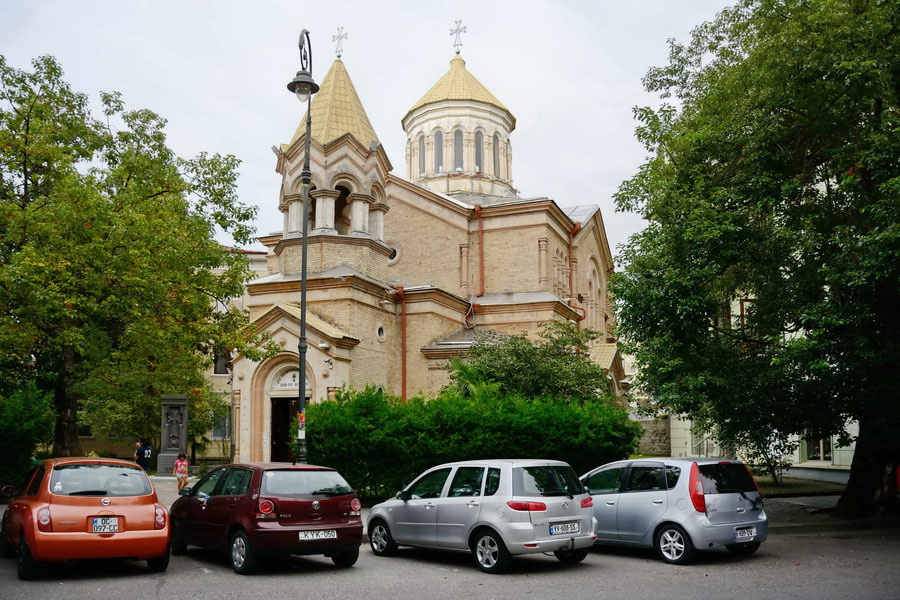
point(256, 508)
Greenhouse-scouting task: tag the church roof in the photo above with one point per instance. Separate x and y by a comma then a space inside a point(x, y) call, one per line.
point(604, 354)
point(337, 110)
point(459, 84)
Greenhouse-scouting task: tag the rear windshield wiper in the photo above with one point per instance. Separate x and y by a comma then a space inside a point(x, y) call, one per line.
point(88, 493)
point(331, 492)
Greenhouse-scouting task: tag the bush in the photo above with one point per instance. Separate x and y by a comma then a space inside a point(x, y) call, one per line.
point(380, 443)
point(26, 418)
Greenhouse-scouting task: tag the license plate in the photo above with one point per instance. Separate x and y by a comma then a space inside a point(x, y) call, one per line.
point(322, 534)
point(106, 524)
point(746, 533)
point(564, 528)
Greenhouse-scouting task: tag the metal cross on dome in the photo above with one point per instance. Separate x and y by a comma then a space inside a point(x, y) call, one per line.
point(339, 39)
point(459, 30)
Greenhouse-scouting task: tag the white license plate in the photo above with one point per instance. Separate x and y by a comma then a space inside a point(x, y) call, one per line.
point(322, 534)
point(564, 528)
point(743, 534)
point(106, 524)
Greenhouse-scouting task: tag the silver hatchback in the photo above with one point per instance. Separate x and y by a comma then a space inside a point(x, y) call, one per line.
point(678, 506)
point(492, 508)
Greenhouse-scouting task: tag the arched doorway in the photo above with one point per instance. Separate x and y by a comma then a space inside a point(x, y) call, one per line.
point(283, 401)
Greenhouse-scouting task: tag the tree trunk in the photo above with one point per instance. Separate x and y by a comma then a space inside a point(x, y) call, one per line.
point(65, 434)
point(871, 490)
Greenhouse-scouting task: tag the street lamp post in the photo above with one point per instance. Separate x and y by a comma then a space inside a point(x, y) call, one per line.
point(304, 87)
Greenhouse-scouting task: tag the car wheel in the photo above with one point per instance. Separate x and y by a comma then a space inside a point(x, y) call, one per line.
point(490, 552)
point(345, 559)
point(160, 563)
point(744, 549)
point(673, 545)
point(179, 546)
point(7, 550)
point(571, 556)
point(25, 565)
point(380, 539)
point(242, 559)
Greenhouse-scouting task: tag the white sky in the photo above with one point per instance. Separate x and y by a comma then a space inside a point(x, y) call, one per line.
point(570, 72)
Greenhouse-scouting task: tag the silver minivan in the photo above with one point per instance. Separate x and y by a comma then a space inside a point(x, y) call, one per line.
point(492, 508)
point(678, 506)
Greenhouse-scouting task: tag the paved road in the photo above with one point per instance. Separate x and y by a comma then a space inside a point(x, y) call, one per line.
point(860, 564)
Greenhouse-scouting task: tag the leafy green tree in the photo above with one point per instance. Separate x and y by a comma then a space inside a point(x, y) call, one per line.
point(775, 178)
point(556, 366)
point(26, 420)
point(113, 289)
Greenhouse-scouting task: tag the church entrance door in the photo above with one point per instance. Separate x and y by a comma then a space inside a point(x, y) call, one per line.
point(284, 429)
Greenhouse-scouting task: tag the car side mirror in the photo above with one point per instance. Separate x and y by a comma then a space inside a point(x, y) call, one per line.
point(185, 491)
point(9, 490)
point(403, 495)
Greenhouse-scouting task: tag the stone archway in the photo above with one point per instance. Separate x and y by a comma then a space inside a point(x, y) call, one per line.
point(275, 393)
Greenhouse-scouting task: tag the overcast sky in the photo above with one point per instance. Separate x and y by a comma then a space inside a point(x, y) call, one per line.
point(570, 72)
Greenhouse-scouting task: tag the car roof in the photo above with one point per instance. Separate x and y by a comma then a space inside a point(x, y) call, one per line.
point(683, 461)
point(267, 466)
point(70, 460)
point(513, 462)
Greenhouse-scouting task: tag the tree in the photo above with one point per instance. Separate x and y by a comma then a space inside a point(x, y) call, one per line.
point(775, 180)
point(113, 289)
point(558, 366)
point(26, 420)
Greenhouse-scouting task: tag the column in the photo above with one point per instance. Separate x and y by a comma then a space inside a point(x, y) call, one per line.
point(376, 220)
point(359, 214)
point(542, 263)
point(324, 200)
point(464, 269)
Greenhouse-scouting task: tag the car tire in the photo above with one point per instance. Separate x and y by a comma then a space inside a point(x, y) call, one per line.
point(179, 546)
point(345, 559)
point(571, 556)
point(491, 555)
point(381, 540)
point(745, 549)
point(25, 564)
point(160, 563)
point(673, 545)
point(7, 550)
point(240, 554)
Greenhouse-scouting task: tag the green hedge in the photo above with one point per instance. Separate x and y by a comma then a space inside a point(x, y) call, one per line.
point(380, 443)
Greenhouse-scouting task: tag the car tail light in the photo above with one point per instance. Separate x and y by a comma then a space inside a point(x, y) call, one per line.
point(695, 488)
point(587, 502)
point(266, 507)
point(159, 521)
point(43, 519)
point(527, 506)
point(355, 506)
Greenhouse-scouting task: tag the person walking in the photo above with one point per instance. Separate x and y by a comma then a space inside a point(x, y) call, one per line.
point(143, 453)
point(180, 471)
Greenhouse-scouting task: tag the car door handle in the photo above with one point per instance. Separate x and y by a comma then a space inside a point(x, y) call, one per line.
point(740, 510)
point(610, 503)
point(657, 502)
point(429, 505)
point(472, 504)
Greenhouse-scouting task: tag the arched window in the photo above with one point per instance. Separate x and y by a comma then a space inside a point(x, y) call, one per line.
point(438, 152)
point(458, 150)
point(421, 156)
point(496, 155)
point(479, 152)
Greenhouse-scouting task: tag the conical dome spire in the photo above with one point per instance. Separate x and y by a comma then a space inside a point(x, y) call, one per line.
point(459, 84)
point(337, 110)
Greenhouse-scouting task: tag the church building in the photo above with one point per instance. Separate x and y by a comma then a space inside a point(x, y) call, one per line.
point(404, 272)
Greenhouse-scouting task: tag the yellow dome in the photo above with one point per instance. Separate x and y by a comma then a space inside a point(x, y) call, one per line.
point(337, 110)
point(459, 84)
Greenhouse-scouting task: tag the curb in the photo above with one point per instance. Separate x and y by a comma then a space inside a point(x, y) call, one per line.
point(861, 525)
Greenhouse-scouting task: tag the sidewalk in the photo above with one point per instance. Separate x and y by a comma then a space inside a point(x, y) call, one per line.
point(803, 514)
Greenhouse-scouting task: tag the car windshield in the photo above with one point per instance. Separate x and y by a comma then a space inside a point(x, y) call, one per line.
point(99, 480)
point(546, 481)
point(300, 483)
point(726, 478)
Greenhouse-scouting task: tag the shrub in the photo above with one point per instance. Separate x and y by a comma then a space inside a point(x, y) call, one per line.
point(26, 418)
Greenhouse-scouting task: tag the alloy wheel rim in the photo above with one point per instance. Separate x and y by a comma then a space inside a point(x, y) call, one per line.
point(486, 551)
point(672, 544)
point(238, 551)
point(379, 539)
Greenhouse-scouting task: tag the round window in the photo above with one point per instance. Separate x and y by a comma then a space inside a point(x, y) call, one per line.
point(380, 333)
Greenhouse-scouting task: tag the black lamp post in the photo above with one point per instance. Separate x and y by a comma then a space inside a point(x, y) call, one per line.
point(304, 87)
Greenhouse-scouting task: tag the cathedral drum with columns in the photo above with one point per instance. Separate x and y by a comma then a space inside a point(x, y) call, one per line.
point(403, 272)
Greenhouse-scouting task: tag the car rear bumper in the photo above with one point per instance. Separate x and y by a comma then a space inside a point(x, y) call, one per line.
point(65, 546)
point(273, 537)
point(520, 539)
point(708, 535)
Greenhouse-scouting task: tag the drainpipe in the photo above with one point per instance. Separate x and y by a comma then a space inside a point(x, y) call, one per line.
point(402, 341)
point(572, 232)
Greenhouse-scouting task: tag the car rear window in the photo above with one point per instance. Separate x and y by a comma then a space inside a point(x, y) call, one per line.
point(726, 478)
point(99, 480)
point(546, 481)
point(303, 483)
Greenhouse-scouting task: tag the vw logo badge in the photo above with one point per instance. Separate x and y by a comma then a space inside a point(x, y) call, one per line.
point(316, 505)
point(565, 505)
point(105, 502)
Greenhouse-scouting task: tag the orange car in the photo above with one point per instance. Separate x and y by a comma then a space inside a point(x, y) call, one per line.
point(75, 508)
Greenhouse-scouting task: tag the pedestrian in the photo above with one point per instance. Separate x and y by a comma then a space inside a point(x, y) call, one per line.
point(143, 453)
point(180, 471)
